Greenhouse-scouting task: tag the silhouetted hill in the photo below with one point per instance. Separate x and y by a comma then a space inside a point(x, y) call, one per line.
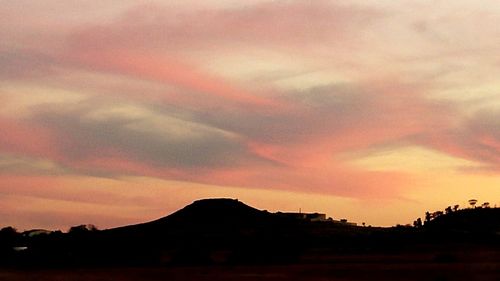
point(194, 233)
point(216, 212)
point(213, 231)
point(222, 216)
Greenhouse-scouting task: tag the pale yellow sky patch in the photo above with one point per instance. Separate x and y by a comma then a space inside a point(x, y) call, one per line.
point(22, 99)
point(448, 188)
point(249, 65)
point(23, 164)
point(314, 79)
point(413, 159)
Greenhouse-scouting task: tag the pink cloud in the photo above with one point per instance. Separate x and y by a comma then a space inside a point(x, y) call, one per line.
point(291, 23)
point(301, 156)
point(22, 138)
point(171, 72)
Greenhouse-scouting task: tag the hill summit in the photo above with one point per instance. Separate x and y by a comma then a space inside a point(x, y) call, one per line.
point(216, 212)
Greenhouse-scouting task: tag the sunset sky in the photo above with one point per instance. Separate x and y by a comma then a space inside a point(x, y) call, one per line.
point(115, 112)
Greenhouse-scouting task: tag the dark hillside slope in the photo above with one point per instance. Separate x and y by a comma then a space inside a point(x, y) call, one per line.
point(209, 215)
point(478, 220)
point(205, 228)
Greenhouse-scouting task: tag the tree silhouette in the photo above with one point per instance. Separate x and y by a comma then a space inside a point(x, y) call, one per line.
point(455, 208)
point(9, 236)
point(84, 228)
point(448, 210)
point(486, 205)
point(9, 230)
point(427, 217)
point(472, 202)
point(417, 223)
point(437, 214)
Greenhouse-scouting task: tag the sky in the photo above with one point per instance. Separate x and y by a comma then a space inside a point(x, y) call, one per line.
point(119, 112)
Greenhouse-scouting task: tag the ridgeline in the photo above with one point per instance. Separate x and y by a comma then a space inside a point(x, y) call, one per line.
point(226, 231)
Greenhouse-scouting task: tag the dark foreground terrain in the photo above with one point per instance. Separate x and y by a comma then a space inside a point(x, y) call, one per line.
point(224, 239)
point(360, 271)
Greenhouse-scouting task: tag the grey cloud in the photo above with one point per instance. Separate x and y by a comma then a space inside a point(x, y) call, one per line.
point(158, 139)
point(477, 138)
point(320, 111)
point(24, 64)
point(480, 137)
